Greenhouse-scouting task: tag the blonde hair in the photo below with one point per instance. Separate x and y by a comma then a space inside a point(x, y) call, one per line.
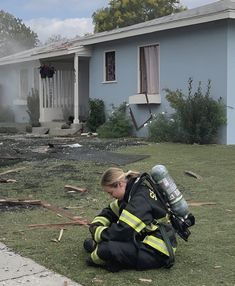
point(114, 175)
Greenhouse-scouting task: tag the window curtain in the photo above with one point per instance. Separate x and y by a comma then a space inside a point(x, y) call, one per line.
point(149, 69)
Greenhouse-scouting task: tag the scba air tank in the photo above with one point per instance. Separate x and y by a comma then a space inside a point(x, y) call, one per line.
point(168, 188)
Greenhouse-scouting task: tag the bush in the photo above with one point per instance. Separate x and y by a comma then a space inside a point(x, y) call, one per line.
point(96, 114)
point(33, 107)
point(165, 129)
point(117, 125)
point(6, 115)
point(199, 115)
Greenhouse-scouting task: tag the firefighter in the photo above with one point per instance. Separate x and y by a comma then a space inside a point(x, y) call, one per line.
point(134, 231)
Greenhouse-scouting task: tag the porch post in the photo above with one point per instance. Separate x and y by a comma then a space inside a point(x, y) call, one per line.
point(76, 93)
point(41, 111)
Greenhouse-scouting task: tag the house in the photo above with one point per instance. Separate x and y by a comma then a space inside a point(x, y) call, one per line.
point(123, 64)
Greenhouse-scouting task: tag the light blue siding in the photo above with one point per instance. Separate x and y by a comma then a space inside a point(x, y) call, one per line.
point(199, 51)
point(231, 86)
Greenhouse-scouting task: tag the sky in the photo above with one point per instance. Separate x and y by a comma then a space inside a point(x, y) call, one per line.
point(67, 18)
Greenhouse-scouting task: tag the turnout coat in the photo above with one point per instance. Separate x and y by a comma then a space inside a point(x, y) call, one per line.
point(128, 231)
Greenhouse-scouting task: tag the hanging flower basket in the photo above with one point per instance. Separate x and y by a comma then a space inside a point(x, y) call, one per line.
point(47, 71)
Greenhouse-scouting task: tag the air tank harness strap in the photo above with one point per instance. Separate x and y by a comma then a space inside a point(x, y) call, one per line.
point(171, 259)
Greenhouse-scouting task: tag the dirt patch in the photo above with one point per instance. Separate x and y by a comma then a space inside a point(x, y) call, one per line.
point(17, 148)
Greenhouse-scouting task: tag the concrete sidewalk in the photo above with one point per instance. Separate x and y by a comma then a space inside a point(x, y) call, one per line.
point(16, 270)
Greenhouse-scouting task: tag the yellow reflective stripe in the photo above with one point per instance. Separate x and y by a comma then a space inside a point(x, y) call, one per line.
point(114, 207)
point(98, 231)
point(95, 258)
point(157, 243)
point(164, 219)
point(132, 221)
point(101, 219)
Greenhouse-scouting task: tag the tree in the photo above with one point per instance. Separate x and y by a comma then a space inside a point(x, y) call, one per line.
point(14, 35)
point(55, 38)
point(122, 13)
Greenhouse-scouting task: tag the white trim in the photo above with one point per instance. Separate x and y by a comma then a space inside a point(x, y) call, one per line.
point(141, 99)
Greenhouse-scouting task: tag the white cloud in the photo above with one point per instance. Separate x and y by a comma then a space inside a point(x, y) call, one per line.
point(68, 28)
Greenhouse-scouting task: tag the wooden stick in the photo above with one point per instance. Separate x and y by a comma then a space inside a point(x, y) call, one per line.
point(13, 201)
point(76, 189)
point(198, 204)
point(58, 225)
point(12, 171)
point(60, 211)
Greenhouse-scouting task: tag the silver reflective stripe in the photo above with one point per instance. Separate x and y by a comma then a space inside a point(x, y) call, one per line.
point(114, 207)
point(157, 243)
point(133, 221)
point(101, 219)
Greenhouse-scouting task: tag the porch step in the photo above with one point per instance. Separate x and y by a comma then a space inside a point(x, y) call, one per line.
point(52, 124)
point(54, 129)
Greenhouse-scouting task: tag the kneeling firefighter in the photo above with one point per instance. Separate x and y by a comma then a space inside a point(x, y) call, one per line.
point(138, 229)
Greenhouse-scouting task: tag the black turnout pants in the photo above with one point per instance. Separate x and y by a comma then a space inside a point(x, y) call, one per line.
point(130, 255)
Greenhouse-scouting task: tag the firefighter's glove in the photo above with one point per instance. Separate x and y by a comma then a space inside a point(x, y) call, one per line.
point(96, 231)
point(93, 228)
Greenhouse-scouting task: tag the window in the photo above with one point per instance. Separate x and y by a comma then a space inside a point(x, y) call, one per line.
point(149, 69)
point(110, 66)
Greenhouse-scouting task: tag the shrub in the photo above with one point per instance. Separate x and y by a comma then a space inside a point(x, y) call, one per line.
point(200, 116)
point(164, 128)
point(96, 114)
point(33, 107)
point(117, 125)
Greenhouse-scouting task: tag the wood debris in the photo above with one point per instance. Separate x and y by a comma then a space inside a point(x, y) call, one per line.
point(7, 180)
point(192, 174)
point(12, 171)
point(145, 280)
point(59, 225)
point(198, 204)
point(60, 236)
point(12, 201)
point(75, 189)
point(60, 211)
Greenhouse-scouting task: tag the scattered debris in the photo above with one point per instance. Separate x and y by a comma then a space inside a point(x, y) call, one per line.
point(60, 236)
point(59, 225)
point(145, 280)
point(97, 280)
point(198, 204)
point(88, 134)
point(75, 145)
point(11, 201)
point(75, 189)
point(7, 180)
point(192, 174)
point(12, 171)
point(71, 207)
point(60, 211)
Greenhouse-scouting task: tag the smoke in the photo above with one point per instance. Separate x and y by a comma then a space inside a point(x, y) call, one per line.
point(67, 28)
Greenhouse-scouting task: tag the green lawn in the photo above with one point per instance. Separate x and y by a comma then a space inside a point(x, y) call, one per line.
point(206, 259)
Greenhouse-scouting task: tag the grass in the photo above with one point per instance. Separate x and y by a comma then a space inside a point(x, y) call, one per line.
point(206, 259)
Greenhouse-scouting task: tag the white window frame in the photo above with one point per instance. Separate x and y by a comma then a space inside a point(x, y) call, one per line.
point(138, 60)
point(104, 66)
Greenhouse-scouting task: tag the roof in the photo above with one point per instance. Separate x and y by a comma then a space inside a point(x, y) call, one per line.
point(224, 9)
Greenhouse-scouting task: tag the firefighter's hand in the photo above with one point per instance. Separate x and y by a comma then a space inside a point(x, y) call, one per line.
point(93, 228)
